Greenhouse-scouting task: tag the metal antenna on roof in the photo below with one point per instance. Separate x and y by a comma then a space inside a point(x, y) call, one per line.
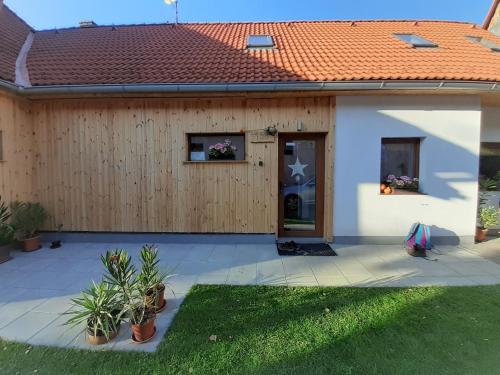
point(176, 2)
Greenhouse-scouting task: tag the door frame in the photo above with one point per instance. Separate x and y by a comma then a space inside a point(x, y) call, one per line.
point(320, 183)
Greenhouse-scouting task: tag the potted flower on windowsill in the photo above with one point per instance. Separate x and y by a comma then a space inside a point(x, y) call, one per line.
point(6, 233)
point(153, 279)
point(98, 311)
point(488, 218)
point(27, 219)
point(222, 151)
point(393, 183)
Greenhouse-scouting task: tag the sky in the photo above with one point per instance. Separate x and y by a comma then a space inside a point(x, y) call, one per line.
point(48, 14)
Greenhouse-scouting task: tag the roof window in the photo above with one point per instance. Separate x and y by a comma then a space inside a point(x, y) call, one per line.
point(260, 42)
point(416, 41)
point(484, 42)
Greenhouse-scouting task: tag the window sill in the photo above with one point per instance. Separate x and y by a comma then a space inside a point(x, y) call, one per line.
point(215, 162)
point(403, 192)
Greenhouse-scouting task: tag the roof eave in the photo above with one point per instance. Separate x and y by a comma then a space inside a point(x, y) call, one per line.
point(367, 85)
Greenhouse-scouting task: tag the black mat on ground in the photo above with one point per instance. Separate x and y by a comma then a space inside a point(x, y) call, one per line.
point(305, 249)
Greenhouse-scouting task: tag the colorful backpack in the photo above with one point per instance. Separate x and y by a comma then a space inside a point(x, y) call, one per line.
point(418, 240)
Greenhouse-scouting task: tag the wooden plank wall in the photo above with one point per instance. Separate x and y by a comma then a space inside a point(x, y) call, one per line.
point(16, 181)
point(120, 164)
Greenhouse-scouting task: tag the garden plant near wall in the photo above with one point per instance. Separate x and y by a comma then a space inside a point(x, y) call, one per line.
point(27, 219)
point(124, 294)
point(6, 232)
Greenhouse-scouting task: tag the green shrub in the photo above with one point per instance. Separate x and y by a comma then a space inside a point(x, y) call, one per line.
point(27, 218)
point(488, 217)
point(6, 230)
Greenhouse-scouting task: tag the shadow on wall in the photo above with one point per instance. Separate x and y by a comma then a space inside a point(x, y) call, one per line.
point(448, 170)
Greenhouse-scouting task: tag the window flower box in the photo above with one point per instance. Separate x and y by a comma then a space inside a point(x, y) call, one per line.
point(222, 151)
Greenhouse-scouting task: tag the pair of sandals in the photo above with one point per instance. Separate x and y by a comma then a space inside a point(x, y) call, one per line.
point(292, 247)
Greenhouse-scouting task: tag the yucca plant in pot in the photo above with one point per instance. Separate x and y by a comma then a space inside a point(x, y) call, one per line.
point(153, 279)
point(121, 275)
point(142, 314)
point(6, 233)
point(97, 310)
point(488, 218)
point(27, 219)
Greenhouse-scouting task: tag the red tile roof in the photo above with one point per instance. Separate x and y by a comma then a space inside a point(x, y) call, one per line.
point(217, 53)
point(13, 33)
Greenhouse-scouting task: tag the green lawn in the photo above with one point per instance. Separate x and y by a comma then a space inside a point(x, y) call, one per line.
point(279, 330)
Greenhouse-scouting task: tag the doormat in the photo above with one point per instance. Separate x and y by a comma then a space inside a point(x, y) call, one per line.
point(305, 249)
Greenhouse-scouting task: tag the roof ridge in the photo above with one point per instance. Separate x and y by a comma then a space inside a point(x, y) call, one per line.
point(262, 22)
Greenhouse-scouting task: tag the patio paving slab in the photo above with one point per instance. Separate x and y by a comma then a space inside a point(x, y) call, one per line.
point(36, 288)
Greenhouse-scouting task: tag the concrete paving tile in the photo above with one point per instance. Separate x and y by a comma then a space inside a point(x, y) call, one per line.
point(324, 280)
point(27, 325)
point(301, 280)
point(242, 275)
point(217, 277)
point(56, 333)
point(297, 266)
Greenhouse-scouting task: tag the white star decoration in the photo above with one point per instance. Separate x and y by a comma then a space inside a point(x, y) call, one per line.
point(297, 168)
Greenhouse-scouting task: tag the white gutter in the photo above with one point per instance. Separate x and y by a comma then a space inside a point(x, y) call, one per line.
point(442, 85)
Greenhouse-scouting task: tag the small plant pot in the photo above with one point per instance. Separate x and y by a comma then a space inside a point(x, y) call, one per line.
point(144, 332)
point(388, 190)
point(32, 244)
point(100, 339)
point(156, 298)
point(5, 253)
point(481, 234)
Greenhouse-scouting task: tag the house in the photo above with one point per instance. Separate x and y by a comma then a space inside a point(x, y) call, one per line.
point(281, 128)
point(492, 20)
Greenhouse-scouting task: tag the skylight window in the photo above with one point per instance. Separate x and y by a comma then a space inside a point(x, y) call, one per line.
point(260, 41)
point(484, 42)
point(416, 41)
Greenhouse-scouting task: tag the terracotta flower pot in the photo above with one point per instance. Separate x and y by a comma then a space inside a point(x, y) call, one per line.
point(388, 190)
point(5, 253)
point(32, 244)
point(144, 332)
point(481, 234)
point(156, 298)
point(100, 339)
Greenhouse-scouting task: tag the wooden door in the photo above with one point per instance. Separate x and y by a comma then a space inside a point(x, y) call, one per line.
point(301, 168)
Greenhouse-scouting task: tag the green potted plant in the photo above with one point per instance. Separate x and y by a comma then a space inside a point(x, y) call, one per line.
point(28, 218)
point(6, 233)
point(142, 314)
point(97, 310)
point(488, 218)
point(132, 293)
point(153, 279)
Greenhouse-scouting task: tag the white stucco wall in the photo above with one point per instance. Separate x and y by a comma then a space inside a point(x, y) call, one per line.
point(450, 130)
point(490, 131)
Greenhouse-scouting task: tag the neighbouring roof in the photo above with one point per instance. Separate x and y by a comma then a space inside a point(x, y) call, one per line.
point(491, 14)
point(13, 33)
point(217, 53)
